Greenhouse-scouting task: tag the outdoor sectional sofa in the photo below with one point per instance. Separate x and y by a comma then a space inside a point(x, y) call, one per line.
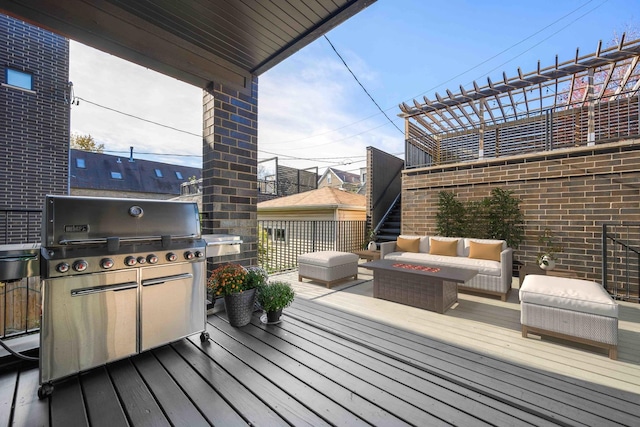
point(492, 259)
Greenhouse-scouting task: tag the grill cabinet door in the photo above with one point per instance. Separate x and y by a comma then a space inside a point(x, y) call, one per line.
point(172, 303)
point(87, 321)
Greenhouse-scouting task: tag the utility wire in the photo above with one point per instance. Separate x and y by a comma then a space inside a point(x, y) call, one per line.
point(466, 71)
point(361, 85)
point(136, 117)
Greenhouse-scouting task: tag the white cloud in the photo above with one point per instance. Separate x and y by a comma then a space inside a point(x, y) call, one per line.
point(309, 107)
point(115, 83)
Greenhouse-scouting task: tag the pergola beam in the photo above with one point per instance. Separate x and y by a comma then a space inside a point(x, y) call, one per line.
point(460, 111)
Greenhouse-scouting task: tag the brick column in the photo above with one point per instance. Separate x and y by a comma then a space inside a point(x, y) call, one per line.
point(230, 154)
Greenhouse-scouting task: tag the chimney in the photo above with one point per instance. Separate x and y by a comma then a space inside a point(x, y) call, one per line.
point(131, 154)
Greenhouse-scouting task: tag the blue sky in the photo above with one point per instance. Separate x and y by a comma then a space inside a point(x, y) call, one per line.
point(311, 107)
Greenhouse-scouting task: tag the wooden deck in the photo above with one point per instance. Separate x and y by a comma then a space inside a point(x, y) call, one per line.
point(340, 357)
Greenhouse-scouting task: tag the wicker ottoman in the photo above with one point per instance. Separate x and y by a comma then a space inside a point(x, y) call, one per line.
point(328, 267)
point(571, 309)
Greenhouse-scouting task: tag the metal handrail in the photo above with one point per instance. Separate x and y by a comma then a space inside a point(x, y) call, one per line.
point(386, 214)
point(621, 269)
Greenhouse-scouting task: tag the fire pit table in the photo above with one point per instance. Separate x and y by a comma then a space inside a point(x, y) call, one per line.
point(429, 288)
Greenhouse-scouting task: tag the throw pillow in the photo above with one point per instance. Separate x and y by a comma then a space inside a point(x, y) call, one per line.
point(443, 247)
point(407, 245)
point(490, 251)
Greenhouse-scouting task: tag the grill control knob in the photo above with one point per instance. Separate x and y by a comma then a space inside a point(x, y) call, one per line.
point(171, 257)
point(142, 260)
point(80, 265)
point(199, 254)
point(106, 263)
point(152, 259)
point(130, 261)
point(63, 267)
point(189, 255)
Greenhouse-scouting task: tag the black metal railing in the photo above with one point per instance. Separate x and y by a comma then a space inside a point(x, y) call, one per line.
point(19, 299)
point(280, 242)
point(621, 260)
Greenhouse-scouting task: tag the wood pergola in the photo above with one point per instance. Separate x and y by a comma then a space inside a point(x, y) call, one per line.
point(607, 75)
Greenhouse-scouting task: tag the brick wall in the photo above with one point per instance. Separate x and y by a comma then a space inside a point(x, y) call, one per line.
point(34, 125)
point(230, 164)
point(572, 192)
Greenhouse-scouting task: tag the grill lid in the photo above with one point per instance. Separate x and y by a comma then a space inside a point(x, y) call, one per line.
point(70, 220)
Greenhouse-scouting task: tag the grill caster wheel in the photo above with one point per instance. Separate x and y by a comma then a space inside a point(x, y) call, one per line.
point(45, 390)
point(204, 336)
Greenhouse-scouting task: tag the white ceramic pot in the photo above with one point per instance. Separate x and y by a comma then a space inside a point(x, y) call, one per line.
point(547, 263)
point(372, 246)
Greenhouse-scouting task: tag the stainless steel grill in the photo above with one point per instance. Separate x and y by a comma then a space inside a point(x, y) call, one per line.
point(120, 276)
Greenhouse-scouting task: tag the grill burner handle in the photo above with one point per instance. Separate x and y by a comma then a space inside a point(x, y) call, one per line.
point(113, 244)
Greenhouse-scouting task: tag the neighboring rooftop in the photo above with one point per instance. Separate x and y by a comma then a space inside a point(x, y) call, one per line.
point(96, 171)
point(323, 197)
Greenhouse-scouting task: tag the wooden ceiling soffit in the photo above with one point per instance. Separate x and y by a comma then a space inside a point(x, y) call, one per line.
point(327, 23)
point(198, 42)
point(112, 30)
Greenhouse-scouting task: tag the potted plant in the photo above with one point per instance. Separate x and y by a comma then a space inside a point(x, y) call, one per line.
point(273, 297)
point(547, 258)
point(370, 243)
point(230, 282)
point(256, 278)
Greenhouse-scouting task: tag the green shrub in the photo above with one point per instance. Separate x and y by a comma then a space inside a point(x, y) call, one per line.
point(450, 218)
point(495, 217)
point(275, 296)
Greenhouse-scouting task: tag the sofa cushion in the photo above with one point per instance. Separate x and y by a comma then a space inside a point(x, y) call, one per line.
point(424, 241)
point(482, 266)
point(459, 248)
point(328, 258)
point(443, 247)
point(569, 294)
point(405, 244)
point(490, 251)
point(467, 244)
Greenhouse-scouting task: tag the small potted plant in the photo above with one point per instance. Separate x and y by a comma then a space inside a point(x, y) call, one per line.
point(547, 258)
point(256, 278)
point(370, 244)
point(273, 297)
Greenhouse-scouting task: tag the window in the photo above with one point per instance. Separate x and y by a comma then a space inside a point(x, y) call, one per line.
point(116, 175)
point(80, 163)
point(179, 175)
point(277, 234)
point(158, 173)
point(19, 79)
point(329, 178)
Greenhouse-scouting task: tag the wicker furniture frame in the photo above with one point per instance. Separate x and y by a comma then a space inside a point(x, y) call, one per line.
point(570, 309)
point(322, 267)
point(584, 328)
point(433, 291)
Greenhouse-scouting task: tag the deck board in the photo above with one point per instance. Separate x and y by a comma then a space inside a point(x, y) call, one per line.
point(340, 357)
point(503, 381)
point(29, 410)
point(179, 410)
point(67, 405)
point(212, 405)
point(252, 409)
point(103, 407)
point(141, 407)
point(328, 379)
